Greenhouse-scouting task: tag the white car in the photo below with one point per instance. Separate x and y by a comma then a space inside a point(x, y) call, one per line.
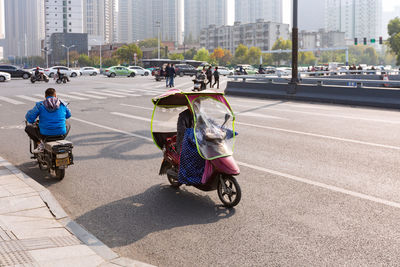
point(50, 72)
point(224, 71)
point(139, 70)
point(4, 76)
point(89, 71)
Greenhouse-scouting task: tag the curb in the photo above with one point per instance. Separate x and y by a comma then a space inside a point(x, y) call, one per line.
point(76, 229)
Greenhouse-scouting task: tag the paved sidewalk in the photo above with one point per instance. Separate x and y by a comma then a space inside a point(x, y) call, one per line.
point(35, 230)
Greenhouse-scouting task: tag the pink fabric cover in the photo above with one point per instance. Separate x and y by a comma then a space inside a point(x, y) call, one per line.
point(225, 165)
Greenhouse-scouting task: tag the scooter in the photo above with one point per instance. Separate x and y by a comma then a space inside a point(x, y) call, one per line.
point(55, 157)
point(210, 165)
point(199, 82)
point(41, 78)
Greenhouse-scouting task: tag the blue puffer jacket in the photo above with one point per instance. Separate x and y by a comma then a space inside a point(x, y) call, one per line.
point(52, 115)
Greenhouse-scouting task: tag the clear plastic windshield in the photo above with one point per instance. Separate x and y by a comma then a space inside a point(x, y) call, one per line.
point(214, 129)
point(164, 122)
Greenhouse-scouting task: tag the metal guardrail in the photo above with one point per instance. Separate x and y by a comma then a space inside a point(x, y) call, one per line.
point(318, 81)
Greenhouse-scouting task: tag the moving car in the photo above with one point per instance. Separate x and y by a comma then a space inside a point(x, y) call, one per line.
point(64, 70)
point(119, 71)
point(15, 72)
point(89, 71)
point(185, 69)
point(4, 76)
point(139, 70)
point(224, 71)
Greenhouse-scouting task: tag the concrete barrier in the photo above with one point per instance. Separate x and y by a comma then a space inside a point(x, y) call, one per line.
point(375, 97)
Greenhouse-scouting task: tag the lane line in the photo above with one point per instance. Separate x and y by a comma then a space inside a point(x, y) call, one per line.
point(322, 185)
point(285, 102)
point(71, 96)
point(11, 101)
point(105, 94)
point(134, 106)
point(112, 129)
point(131, 116)
point(119, 93)
point(277, 173)
point(253, 114)
point(88, 95)
point(320, 136)
point(321, 114)
point(29, 98)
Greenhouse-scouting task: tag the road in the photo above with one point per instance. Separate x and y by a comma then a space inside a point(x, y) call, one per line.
point(321, 183)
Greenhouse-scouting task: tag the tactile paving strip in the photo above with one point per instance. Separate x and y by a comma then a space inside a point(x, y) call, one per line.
point(14, 258)
point(65, 241)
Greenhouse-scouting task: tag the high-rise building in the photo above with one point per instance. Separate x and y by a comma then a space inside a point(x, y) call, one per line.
point(357, 18)
point(63, 17)
point(99, 20)
point(23, 27)
point(141, 19)
point(249, 11)
point(200, 14)
point(311, 15)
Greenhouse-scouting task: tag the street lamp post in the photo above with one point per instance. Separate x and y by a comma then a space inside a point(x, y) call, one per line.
point(68, 48)
point(295, 44)
point(158, 25)
point(46, 50)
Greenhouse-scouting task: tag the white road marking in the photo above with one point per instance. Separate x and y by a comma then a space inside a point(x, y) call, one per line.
point(106, 94)
point(320, 114)
point(320, 136)
point(29, 98)
point(322, 185)
point(11, 101)
point(71, 96)
point(253, 114)
point(119, 93)
point(112, 129)
point(128, 105)
point(277, 173)
point(131, 116)
point(88, 95)
point(285, 102)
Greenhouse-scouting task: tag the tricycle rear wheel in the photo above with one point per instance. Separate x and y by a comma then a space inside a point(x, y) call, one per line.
point(173, 181)
point(229, 191)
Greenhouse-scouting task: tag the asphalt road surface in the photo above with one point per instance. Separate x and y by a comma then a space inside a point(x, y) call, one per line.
point(321, 183)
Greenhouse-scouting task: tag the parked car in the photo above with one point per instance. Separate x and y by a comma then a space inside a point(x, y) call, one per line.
point(119, 71)
point(4, 76)
point(225, 71)
point(64, 70)
point(15, 72)
point(89, 71)
point(185, 69)
point(139, 70)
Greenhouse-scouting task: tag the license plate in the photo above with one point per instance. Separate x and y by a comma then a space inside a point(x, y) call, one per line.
point(62, 162)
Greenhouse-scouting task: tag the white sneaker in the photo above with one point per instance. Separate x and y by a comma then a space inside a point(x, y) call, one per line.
point(39, 149)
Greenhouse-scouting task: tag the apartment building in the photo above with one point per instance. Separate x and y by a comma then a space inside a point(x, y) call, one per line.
point(249, 11)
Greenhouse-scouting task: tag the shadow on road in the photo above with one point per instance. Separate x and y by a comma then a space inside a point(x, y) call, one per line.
point(262, 107)
point(159, 208)
point(113, 145)
point(31, 168)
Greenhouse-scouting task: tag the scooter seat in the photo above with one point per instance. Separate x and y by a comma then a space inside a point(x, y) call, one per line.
point(56, 145)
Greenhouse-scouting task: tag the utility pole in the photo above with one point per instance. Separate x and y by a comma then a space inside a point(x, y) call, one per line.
point(295, 44)
point(68, 48)
point(158, 25)
point(46, 50)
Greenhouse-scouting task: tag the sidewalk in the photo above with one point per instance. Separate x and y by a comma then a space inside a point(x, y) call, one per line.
point(35, 230)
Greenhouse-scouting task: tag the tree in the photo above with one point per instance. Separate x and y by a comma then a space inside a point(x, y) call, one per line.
point(281, 44)
point(394, 39)
point(190, 53)
point(370, 57)
point(202, 55)
point(111, 62)
point(73, 55)
point(217, 55)
point(227, 58)
point(149, 43)
point(241, 54)
point(126, 53)
point(84, 60)
point(307, 58)
point(176, 56)
point(254, 55)
point(267, 59)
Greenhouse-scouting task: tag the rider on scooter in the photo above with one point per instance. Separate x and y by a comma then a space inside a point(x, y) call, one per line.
point(52, 113)
point(38, 74)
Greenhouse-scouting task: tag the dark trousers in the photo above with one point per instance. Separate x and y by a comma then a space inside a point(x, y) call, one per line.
point(216, 82)
point(34, 133)
point(209, 81)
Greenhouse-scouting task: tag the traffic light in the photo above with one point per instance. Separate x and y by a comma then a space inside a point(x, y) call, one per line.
point(372, 40)
point(365, 41)
point(355, 41)
point(380, 40)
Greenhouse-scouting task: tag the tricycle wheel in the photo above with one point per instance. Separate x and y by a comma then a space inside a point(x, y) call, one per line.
point(173, 181)
point(229, 191)
point(60, 173)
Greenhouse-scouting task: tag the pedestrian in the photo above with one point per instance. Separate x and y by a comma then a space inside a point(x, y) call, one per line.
point(209, 75)
point(216, 77)
point(171, 75)
point(167, 71)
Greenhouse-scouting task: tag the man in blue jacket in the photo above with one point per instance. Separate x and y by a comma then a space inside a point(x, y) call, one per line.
point(52, 113)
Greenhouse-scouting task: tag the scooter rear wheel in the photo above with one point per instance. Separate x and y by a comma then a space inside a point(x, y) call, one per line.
point(229, 191)
point(60, 173)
